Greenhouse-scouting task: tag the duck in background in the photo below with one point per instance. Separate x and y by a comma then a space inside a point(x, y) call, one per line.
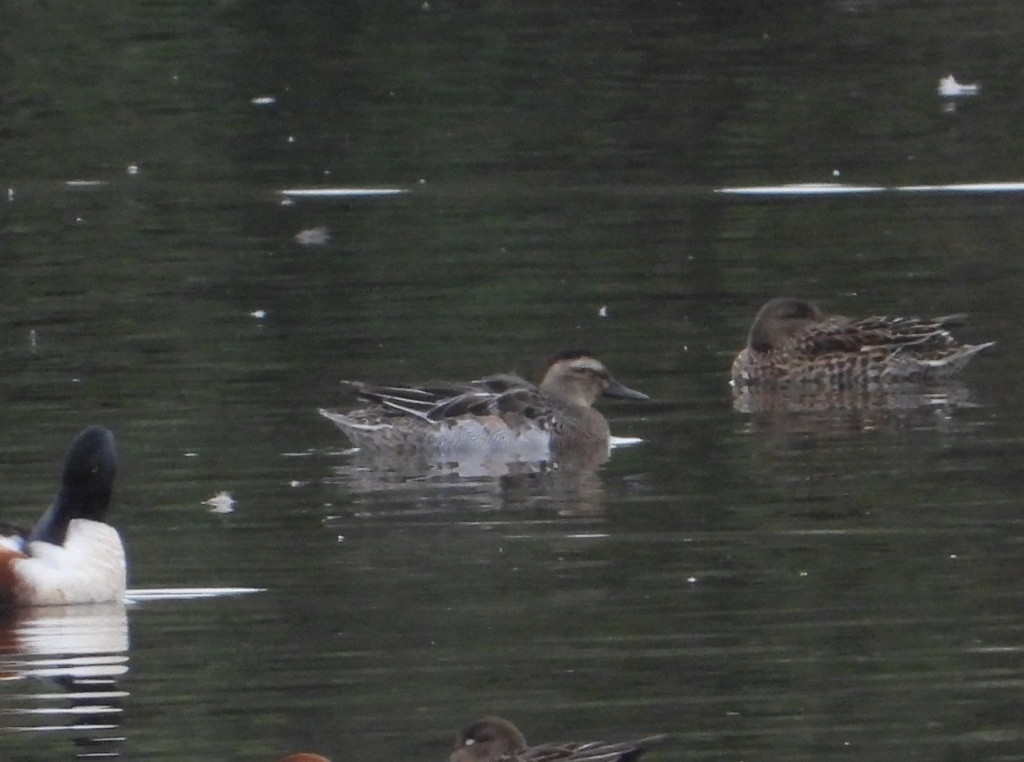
point(72, 555)
point(494, 739)
point(792, 341)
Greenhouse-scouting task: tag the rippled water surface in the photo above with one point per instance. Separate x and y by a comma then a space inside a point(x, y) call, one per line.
point(758, 582)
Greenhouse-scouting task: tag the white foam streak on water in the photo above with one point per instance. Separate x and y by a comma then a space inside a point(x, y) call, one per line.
point(342, 192)
point(184, 593)
point(614, 442)
point(839, 189)
point(1005, 187)
point(801, 189)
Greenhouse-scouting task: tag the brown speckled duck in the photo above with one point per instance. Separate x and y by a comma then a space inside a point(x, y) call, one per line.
point(501, 414)
point(792, 341)
point(494, 739)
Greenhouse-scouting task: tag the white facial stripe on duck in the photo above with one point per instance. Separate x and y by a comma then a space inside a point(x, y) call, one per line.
point(585, 379)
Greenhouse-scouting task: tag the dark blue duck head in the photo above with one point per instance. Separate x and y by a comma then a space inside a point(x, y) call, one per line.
point(86, 485)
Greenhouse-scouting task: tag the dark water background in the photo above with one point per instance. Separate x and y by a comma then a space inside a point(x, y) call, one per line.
point(761, 587)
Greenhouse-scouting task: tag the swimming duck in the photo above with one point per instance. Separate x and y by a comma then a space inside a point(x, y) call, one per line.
point(794, 341)
point(494, 739)
point(71, 555)
point(501, 414)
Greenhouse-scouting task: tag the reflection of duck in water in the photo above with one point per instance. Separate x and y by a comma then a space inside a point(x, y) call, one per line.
point(498, 418)
point(71, 555)
point(780, 413)
point(494, 739)
point(82, 649)
point(793, 342)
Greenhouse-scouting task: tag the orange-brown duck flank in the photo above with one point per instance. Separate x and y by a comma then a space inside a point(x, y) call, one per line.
point(494, 739)
point(792, 341)
point(498, 414)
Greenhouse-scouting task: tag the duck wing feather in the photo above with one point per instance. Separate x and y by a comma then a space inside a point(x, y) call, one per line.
point(886, 333)
point(499, 394)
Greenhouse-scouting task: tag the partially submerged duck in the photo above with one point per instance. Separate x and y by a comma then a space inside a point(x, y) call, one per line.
point(494, 739)
point(792, 341)
point(500, 415)
point(71, 555)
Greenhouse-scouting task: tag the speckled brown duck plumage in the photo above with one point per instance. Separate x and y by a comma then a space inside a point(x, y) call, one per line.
point(494, 739)
point(500, 414)
point(792, 341)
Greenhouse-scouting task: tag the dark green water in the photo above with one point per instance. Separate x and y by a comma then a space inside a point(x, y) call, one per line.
point(758, 586)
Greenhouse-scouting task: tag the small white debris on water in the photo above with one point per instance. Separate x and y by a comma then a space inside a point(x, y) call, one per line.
point(603, 312)
point(259, 314)
point(691, 579)
point(950, 88)
point(313, 237)
point(835, 173)
point(32, 338)
point(222, 502)
point(263, 100)
point(133, 169)
point(291, 138)
point(296, 483)
point(10, 194)
point(191, 455)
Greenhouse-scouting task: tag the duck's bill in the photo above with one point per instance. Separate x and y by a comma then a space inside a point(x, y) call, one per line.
point(622, 392)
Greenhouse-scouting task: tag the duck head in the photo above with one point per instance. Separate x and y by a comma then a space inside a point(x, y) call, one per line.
point(488, 739)
point(781, 319)
point(581, 377)
point(86, 485)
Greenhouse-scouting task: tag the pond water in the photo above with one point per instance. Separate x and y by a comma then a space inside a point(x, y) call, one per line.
point(758, 584)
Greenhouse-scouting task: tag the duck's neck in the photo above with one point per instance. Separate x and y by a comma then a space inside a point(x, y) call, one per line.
point(52, 526)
